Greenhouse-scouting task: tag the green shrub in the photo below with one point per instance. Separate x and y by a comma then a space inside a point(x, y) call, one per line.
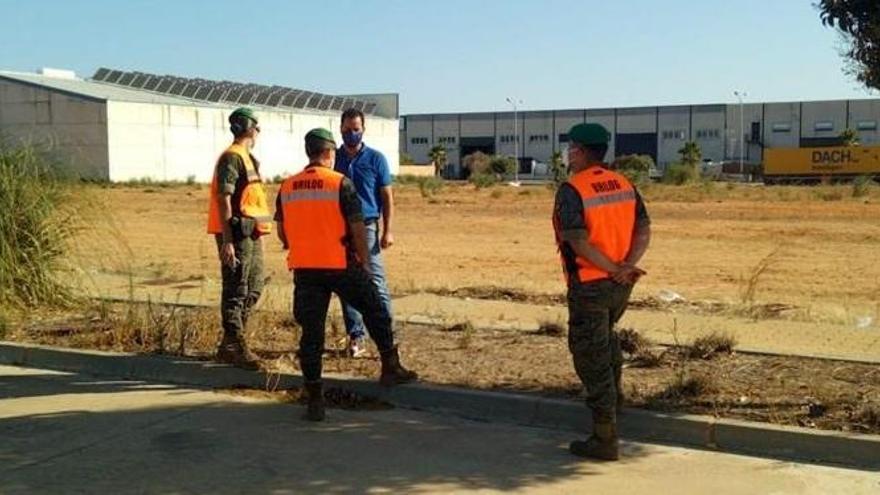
point(680, 174)
point(37, 223)
point(636, 168)
point(430, 186)
point(862, 186)
point(502, 165)
point(481, 181)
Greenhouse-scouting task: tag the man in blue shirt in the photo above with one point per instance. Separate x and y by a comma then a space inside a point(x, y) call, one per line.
point(368, 169)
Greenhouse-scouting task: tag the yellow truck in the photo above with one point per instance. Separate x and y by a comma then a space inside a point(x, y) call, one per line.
point(788, 165)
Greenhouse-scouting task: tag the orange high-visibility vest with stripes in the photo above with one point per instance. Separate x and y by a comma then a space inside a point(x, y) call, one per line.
point(609, 201)
point(313, 222)
point(252, 204)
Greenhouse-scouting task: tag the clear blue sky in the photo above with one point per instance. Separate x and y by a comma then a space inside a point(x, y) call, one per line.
point(451, 55)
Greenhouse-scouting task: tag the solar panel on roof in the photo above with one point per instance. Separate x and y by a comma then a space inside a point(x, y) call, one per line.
point(114, 76)
point(164, 85)
point(314, 100)
point(152, 82)
point(336, 104)
point(234, 95)
point(302, 99)
point(247, 97)
point(139, 81)
point(262, 97)
point(275, 99)
point(101, 74)
point(126, 79)
point(370, 108)
point(325, 103)
point(347, 103)
point(190, 90)
point(216, 94)
point(177, 88)
point(202, 93)
point(289, 97)
point(359, 105)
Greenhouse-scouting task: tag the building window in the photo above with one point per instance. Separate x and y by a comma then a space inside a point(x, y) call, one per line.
point(540, 138)
point(781, 127)
point(563, 138)
point(447, 140)
point(509, 138)
point(674, 135)
point(419, 140)
point(824, 126)
point(708, 133)
point(867, 125)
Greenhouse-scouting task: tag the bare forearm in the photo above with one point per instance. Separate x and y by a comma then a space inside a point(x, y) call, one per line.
point(585, 250)
point(279, 227)
point(640, 242)
point(359, 240)
point(387, 209)
point(225, 203)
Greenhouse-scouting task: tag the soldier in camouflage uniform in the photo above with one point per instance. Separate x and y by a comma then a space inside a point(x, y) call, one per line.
point(602, 230)
point(238, 218)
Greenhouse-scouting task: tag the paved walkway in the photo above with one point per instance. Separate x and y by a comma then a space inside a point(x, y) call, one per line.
point(69, 433)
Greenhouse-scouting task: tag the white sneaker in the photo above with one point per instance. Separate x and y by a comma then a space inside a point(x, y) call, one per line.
point(357, 348)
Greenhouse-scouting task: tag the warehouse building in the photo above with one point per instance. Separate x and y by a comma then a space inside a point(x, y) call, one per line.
point(655, 131)
point(120, 125)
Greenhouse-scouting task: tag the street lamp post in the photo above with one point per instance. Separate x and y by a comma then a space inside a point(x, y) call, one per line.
point(742, 131)
point(513, 102)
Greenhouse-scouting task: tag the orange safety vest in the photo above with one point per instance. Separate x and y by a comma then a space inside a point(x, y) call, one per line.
point(609, 201)
point(252, 203)
point(313, 223)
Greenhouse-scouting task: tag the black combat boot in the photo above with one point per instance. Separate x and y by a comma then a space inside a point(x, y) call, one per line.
point(233, 350)
point(315, 405)
point(602, 444)
point(393, 373)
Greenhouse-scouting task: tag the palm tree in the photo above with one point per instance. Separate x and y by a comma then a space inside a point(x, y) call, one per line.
point(438, 156)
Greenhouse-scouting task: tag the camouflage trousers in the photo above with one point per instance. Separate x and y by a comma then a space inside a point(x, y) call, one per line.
point(311, 298)
point(593, 310)
point(242, 285)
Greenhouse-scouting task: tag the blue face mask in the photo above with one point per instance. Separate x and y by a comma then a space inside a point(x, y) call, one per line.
point(352, 139)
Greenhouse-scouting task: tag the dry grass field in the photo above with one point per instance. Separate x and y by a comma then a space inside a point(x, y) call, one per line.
point(814, 248)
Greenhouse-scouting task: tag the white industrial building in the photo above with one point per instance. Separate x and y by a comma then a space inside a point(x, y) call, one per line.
point(119, 126)
point(655, 131)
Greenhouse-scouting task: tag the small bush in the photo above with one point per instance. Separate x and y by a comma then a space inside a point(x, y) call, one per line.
point(708, 346)
point(502, 165)
point(680, 174)
point(481, 181)
point(429, 186)
point(636, 168)
point(190, 180)
point(862, 186)
point(497, 194)
point(476, 163)
point(38, 221)
point(689, 386)
point(832, 195)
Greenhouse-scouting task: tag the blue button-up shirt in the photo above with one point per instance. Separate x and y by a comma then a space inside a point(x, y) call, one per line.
point(369, 171)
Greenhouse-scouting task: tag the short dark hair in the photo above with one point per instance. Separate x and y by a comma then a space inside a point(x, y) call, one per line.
point(596, 151)
point(315, 146)
point(351, 113)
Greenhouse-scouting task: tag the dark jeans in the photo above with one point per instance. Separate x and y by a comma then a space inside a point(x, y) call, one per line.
point(242, 285)
point(311, 298)
point(593, 310)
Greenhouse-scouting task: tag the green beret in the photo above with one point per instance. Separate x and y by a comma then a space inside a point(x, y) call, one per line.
point(320, 134)
point(243, 112)
point(589, 135)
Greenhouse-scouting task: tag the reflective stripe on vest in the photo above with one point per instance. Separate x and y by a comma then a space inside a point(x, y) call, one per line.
point(313, 223)
point(253, 202)
point(609, 213)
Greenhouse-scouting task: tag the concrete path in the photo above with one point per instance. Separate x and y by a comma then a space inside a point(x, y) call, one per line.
point(69, 433)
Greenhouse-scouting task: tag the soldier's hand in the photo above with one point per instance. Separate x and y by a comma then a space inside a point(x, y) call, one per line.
point(227, 255)
point(627, 274)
